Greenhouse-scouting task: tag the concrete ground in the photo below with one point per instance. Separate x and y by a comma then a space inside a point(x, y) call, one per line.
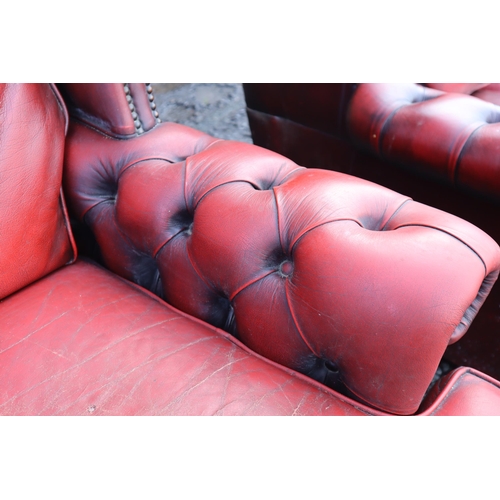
point(215, 108)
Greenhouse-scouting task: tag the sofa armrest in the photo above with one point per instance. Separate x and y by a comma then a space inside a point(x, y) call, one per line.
point(463, 392)
point(350, 283)
point(450, 136)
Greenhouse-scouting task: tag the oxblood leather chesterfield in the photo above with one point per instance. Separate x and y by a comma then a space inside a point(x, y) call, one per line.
point(296, 291)
point(437, 143)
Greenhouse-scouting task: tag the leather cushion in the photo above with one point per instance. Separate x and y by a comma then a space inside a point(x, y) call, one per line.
point(463, 392)
point(34, 232)
point(451, 136)
point(333, 276)
point(113, 108)
point(84, 342)
point(486, 91)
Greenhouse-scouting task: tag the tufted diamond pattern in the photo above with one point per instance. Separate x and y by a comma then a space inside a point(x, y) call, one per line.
point(449, 135)
point(348, 282)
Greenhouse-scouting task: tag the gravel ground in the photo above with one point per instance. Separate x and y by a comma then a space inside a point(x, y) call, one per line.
point(215, 108)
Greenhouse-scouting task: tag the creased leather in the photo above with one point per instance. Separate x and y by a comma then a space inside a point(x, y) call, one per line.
point(35, 237)
point(463, 392)
point(451, 136)
point(306, 267)
point(92, 344)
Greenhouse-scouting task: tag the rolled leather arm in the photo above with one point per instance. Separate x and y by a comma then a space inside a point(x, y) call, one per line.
point(464, 391)
point(451, 136)
point(348, 282)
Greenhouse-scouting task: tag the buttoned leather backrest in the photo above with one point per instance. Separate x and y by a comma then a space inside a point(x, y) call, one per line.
point(122, 110)
point(485, 91)
point(448, 135)
point(35, 238)
point(355, 285)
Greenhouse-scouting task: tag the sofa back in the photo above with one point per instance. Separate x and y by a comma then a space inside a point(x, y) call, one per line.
point(118, 109)
point(354, 285)
point(35, 237)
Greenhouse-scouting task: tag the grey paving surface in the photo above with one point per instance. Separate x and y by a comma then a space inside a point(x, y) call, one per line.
point(215, 108)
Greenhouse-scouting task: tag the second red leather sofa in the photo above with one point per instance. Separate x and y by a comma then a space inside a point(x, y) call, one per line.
point(297, 291)
point(437, 143)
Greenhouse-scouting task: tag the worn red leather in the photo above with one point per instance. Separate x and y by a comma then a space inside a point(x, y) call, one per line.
point(342, 279)
point(115, 108)
point(447, 135)
point(486, 91)
point(463, 392)
point(490, 93)
point(93, 344)
point(338, 278)
point(453, 138)
point(283, 118)
point(459, 88)
point(85, 342)
point(34, 231)
point(445, 130)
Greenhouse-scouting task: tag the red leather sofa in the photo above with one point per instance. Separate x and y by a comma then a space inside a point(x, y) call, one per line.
point(437, 143)
point(194, 276)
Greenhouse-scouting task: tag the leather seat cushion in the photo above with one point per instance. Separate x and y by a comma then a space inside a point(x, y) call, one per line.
point(83, 341)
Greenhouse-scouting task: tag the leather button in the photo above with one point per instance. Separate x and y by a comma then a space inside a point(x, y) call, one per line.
point(286, 269)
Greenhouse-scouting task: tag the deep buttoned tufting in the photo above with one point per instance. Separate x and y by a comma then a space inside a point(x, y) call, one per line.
point(350, 283)
point(451, 136)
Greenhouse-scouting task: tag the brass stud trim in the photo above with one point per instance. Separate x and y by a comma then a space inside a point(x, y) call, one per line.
point(131, 106)
point(152, 104)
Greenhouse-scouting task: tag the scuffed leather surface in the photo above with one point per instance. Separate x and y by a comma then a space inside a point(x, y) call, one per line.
point(35, 237)
point(312, 146)
point(105, 107)
point(464, 392)
point(333, 276)
point(486, 91)
point(84, 342)
point(451, 136)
